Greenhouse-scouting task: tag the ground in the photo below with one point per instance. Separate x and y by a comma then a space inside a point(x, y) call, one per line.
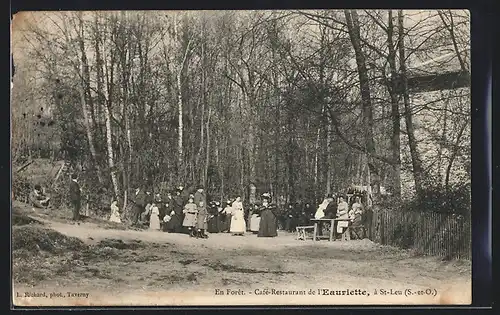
point(116, 265)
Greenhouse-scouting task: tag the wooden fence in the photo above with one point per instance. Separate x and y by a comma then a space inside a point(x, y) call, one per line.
point(427, 233)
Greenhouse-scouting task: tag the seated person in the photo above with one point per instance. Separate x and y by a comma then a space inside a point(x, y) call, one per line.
point(38, 199)
point(356, 212)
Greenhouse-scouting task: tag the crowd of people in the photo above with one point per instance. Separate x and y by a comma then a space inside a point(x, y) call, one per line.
point(184, 212)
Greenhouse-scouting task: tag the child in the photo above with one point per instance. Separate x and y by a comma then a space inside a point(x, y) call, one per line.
point(190, 213)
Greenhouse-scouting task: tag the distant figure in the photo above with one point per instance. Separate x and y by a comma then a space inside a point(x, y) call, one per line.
point(320, 212)
point(342, 209)
point(255, 220)
point(342, 213)
point(226, 217)
point(214, 221)
point(331, 208)
point(154, 218)
point(190, 214)
point(201, 220)
point(75, 197)
point(115, 212)
point(38, 199)
point(174, 225)
point(268, 226)
point(139, 202)
point(356, 211)
point(238, 225)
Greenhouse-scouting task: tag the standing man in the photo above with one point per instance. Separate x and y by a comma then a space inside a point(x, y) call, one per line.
point(139, 204)
point(75, 197)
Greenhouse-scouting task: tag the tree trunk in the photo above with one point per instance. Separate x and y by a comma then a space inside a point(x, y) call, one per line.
point(454, 155)
point(111, 159)
point(412, 142)
point(354, 35)
point(207, 159)
point(89, 123)
point(442, 141)
point(328, 158)
point(395, 115)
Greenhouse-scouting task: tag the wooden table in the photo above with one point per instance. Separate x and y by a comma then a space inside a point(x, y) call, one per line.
point(332, 227)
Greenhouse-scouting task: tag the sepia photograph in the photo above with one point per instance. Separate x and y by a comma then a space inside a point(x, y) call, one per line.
point(241, 158)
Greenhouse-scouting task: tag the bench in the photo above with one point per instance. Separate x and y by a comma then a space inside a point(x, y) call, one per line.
point(301, 231)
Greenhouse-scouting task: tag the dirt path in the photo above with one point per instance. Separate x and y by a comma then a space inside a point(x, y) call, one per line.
point(176, 269)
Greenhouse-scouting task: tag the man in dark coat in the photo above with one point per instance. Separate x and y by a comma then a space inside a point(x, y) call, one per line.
point(331, 209)
point(139, 202)
point(75, 196)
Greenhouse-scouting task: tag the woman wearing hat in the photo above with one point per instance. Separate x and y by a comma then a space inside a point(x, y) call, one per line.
point(213, 217)
point(227, 216)
point(268, 226)
point(176, 214)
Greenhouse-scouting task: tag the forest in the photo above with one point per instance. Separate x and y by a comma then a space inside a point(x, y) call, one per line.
point(298, 103)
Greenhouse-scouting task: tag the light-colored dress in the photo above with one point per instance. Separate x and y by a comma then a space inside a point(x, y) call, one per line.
point(320, 213)
point(115, 214)
point(237, 218)
point(342, 213)
point(356, 213)
point(154, 219)
point(254, 222)
point(190, 214)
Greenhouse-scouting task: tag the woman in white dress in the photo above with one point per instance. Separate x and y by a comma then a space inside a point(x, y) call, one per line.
point(320, 212)
point(342, 213)
point(237, 218)
point(115, 212)
point(154, 219)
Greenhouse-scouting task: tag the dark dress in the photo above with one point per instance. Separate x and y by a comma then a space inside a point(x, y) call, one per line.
point(268, 223)
point(175, 223)
point(214, 220)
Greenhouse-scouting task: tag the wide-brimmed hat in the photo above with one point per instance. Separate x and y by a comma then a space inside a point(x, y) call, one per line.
point(266, 196)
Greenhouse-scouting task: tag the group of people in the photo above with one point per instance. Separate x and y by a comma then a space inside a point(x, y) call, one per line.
point(183, 212)
point(39, 199)
point(339, 208)
point(190, 213)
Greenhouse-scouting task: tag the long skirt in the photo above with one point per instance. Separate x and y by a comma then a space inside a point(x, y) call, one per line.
point(175, 224)
point(237, 225)
point(214, 224)
point(154, 222)
point(254, 223)
point(189, 219)
point(115, 218)
point(268, 224)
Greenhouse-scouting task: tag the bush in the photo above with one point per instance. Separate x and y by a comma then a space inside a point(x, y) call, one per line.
point(403, 235)
point(34, 239)
point(437, 199)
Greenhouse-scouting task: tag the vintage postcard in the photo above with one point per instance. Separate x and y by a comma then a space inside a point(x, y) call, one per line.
point(228, 158)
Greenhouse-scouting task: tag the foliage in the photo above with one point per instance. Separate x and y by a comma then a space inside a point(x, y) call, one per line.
point(266, 97)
